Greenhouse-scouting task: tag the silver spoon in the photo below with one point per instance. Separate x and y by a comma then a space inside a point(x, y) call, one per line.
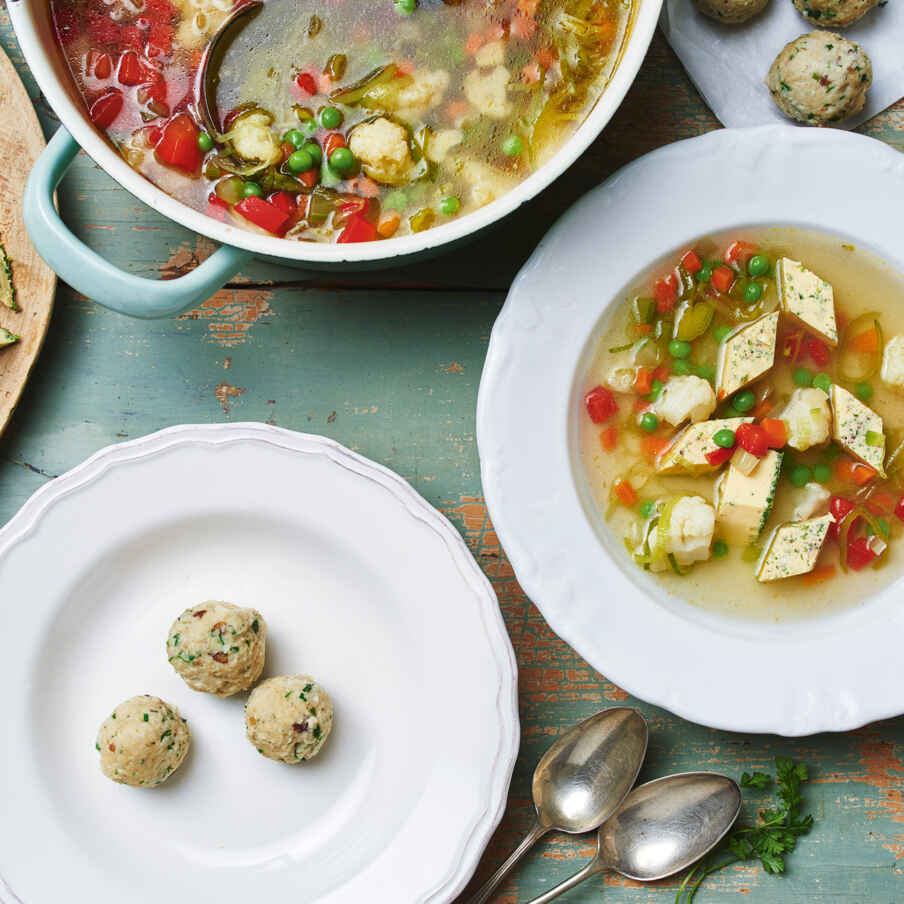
point(205, 88)
point(581, 780)
point(662, 827)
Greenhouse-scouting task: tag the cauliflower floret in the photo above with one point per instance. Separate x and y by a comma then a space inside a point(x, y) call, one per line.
point(893, 363)
point(253, 139)
point(492, 54)
point(808, 418)
point(424, 91)
point(685, 397)
point(487, 183)
point(812, 499)
point(487, 92)
point(621, 378)
point(688, 532)
point(382, 148)
point(442, 142)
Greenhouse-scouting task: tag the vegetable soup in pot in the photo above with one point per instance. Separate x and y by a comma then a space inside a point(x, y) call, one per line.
point(742, 424)
point(347, 121)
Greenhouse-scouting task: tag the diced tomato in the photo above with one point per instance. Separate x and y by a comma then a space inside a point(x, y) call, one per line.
point(262, 213)
point(624, 492)
point(306, 83)
point(331, 142)
point(691, 262)
point(854, 472)
point(600, 404)
point(818, 351)
point(665, 291)
point(153, 91)
point(653, 446)
point(719, 456)
point(776, 432)
point(178, 145)
point(106, 108)
point(216, 201)
point(609, 438)
point(661, 373)
point(820, 575)
point(357, 229)
point(354, 205)
point(284, 201)
point(753, 439)
point(99, 65)
point(739, 253)
point(899, 509)
point(309, 177)
point(722, 279)
point(643, 380)
point(129, 70)
point(859, 553)
point(839, 509)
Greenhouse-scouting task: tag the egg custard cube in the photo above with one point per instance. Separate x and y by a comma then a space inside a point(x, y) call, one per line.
point(687, 452)
point(858, 429)
point(808, 299)
point(743, 502)
point(746, 354)
point(793, 549)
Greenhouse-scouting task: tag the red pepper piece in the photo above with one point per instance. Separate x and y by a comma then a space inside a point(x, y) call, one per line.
point(665, 291)
point(106, 108)
point(859, 553)
point(262, 213)
point(719, 456)
point(178, 145)
point(753, 439)
point(129, 70)
point(357, 229)
point(600, 404)
point(839, 508)
point(722, 278)
point(691, 262)
point(306, 82)
point(818, 351)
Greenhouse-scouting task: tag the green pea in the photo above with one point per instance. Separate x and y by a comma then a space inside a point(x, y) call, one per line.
point(758, 265)
point(753, 292)
point(342, 160)
point(655, 390)
point(448, 207)
point(330, 118)
point(720, 333)
point(395, 200)
point(681, 367)
point(800, 475)
point(513, 146)
point(802, 377)
point(313, 149)
point(705, 371)
point(823, 382)
point(743, 400)
point(300, 161)
point(679, 349)
point(720, 549)
point(649, 421)
point(704, 274)
point(405, 7)
point(864, 391)
point(205, 142)
point(646, 508)
point(295, 137)
point(822, 473)
point(250, 189)
point(725, 439)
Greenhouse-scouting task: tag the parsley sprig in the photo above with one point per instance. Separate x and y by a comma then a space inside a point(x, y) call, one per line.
point(774, 836)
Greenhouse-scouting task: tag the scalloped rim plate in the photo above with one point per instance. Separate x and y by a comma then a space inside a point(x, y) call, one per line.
point(830, 673)
point(363, 584)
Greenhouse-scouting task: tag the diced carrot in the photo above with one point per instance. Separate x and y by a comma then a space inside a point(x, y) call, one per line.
point(881, 503)
point(854, 472)
point(736, 251)
point(528, 7)
point(763, 408)
point(405, 66)
point(531, 74)
point(665, 291)
point(624, 492)
point(609, 438)
point(643, 329)
point(641, 403)
point(863, 474)
point(653, 446)
point(818, 575)
point(776, 431)
point(388, 224)
point(691, 262)
point(523, 27)
point(643, 380)
point(494, 33)
point(867, 341)
point(474, 42)
point(661, 373)
point(722, 278)
point(545, 57)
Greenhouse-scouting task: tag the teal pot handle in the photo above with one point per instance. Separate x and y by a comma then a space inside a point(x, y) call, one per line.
point(88, 273)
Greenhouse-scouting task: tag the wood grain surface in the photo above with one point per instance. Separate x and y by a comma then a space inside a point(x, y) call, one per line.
point(21, 141)
point(389, 364)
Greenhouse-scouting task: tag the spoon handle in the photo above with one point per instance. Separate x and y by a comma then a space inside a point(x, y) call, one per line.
point(487, 889)
point(591, 869)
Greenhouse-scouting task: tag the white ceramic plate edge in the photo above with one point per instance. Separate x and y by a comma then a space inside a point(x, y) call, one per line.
point(439, 890)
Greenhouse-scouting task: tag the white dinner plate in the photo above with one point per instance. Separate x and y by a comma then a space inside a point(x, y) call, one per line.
point(363, 585)
point(834, 672)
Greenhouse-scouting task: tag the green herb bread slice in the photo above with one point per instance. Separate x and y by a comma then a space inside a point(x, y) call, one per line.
point(7, 289)
point(7, 338)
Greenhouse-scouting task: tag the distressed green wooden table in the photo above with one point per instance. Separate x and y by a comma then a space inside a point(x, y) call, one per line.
point(389, 365)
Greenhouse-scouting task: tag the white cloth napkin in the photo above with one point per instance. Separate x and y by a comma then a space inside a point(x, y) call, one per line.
point(728, 63)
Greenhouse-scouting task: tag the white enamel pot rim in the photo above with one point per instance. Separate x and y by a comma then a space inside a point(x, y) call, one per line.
point(40, 54)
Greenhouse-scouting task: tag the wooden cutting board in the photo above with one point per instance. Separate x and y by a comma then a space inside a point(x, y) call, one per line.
point(21, 141)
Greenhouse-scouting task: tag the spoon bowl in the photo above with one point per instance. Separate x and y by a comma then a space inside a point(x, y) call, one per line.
point(581, 780)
